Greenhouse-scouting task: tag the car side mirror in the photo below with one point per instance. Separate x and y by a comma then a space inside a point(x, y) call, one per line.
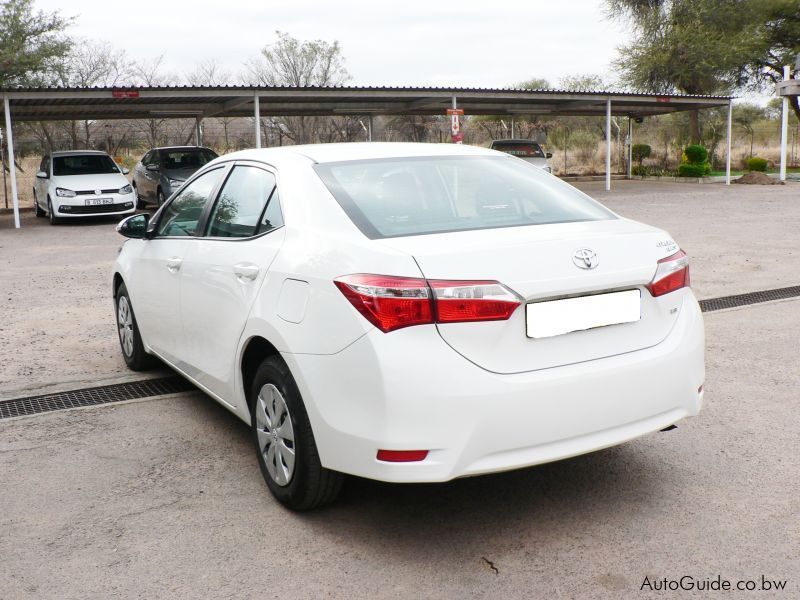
point(152, 167)
point(125, 170)
point(41, 175)
point(549, 155)
point(134, 226)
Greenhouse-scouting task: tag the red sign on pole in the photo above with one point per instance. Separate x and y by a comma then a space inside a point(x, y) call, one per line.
point(124, 93)
point(455, 124)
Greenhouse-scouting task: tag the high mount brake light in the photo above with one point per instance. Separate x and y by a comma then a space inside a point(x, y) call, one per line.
point(391, 303)
point(672, 274)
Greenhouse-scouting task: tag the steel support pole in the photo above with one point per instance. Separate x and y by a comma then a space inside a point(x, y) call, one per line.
point(12, 167)
point(608, 145)
point(198, 132)
point(369, 128)
point(728, 137)
point(257, 115)
point(513, 129)
point(630, 148)
point(784, 125)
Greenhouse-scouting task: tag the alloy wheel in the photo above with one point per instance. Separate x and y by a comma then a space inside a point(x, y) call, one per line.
point(275, 434)
point(125, 325)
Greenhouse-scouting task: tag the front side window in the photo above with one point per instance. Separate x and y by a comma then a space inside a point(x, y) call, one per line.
point(243, 203)
point(84, 164)
point(181, 216)
point(413, 196)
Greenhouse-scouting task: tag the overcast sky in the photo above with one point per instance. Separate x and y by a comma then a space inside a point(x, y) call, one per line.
point(407, 42)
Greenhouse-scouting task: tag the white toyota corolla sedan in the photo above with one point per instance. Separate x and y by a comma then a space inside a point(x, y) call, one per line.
point(409, 312)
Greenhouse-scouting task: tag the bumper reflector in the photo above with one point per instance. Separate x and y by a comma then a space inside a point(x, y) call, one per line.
point(402, 455)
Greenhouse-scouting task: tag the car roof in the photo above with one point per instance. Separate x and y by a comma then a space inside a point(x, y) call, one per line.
point(324, 153)
point(73, 152)
point(180, 148)
point(514, 142)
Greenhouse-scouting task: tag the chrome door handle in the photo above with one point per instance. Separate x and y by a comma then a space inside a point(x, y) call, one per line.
point(245, 271)
point(174, 264)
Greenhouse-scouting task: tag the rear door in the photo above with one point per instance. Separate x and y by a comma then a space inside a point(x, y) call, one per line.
point(155, 274)
point(224, 270)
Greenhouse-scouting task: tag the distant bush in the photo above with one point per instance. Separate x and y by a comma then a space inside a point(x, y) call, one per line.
point(696, 154)
point(649, 171)
point(692, 170)
point(640, 152)
point(756, 164)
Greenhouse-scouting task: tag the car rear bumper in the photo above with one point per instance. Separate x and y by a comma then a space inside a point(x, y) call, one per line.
point(408, 390)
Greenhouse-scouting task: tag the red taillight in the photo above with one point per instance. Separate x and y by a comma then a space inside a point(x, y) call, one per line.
point(459, 301)
point(402, 455)
point(672, 274)
point(390, 303)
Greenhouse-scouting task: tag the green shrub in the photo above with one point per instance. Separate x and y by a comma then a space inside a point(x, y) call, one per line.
point(640, 151)
point(696, 154)
point(755, 163)
point(692, 170)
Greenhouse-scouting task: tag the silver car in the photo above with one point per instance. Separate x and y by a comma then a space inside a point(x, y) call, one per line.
point(163, 170)
point(527, 150)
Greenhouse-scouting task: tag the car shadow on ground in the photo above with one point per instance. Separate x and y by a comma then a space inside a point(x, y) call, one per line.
point(583, 491)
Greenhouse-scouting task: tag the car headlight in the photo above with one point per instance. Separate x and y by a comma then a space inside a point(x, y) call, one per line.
point(175, 183)
point(126, 190)
point(65, 193)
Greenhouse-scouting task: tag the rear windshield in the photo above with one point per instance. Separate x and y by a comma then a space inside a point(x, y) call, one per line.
point(186, 159)
point(420, 195)
point(521, 149)
point(84, 164)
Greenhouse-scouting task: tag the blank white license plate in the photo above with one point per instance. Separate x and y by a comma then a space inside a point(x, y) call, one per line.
point(557, 317)
point(98, 201)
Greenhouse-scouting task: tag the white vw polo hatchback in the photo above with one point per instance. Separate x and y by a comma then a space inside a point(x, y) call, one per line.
point(81, 183)
point(409, 312)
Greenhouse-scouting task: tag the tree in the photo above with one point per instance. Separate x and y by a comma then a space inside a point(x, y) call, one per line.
point(293, 63)
point(746, 116)
point(687, 46)
point(209, 72)
point(30, 42)
point(775, 42)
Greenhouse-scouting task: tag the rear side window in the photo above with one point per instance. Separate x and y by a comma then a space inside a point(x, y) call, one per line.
point(181, 216)
point(420, 195)
point(244, 203)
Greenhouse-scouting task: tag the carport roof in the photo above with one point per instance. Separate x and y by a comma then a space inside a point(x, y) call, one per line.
point(50, 103)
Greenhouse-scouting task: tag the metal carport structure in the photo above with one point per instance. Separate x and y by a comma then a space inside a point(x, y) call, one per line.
point(200, 102)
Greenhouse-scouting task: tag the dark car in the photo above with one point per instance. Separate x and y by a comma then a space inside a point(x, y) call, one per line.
point(527, 150)
point(163, 170)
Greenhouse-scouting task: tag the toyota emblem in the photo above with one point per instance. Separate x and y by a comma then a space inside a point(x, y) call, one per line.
point(585, 258)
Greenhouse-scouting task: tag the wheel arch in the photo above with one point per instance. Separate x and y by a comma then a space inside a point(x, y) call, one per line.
point(255, 351)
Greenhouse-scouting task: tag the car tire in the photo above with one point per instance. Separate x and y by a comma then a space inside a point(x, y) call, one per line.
point(160, 198)
point(130, 340)
point(54, 220)
point(37, 209)
point(139, 200)
point(285, 447)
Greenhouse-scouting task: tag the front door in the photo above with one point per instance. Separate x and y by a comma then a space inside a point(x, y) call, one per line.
point(224, 270)
point(157, 273)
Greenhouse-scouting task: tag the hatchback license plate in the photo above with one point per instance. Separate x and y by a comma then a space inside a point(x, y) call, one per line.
point(557, 317)
point(98, 201)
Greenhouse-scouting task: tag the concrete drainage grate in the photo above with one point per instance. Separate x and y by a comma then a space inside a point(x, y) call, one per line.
point(91, 396)
point(170, 385)
point(713, 304)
